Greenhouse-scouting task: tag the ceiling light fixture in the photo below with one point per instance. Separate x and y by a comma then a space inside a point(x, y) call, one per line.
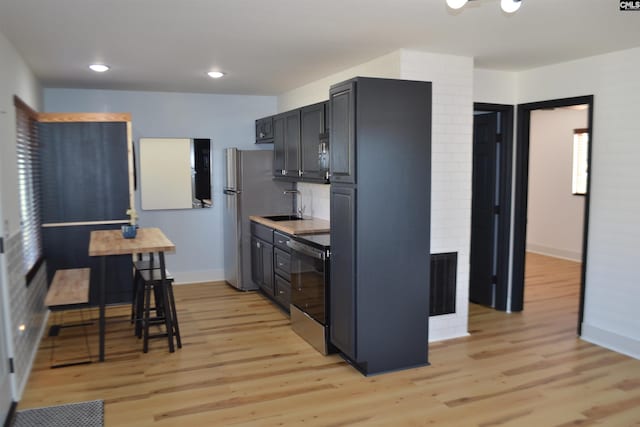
point(215, 74)
point(508, 6)
point(99, 68)
point(456, 4)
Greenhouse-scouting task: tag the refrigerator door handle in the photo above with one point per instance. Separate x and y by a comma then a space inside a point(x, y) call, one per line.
point(231, 192)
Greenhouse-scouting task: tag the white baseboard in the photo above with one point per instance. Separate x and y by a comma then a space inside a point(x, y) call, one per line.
point(186, 277)
point(554, 252)
point(611, 340)
point(446, 327)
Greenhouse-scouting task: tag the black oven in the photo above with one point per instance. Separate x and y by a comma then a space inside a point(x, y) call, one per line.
point(309, 289)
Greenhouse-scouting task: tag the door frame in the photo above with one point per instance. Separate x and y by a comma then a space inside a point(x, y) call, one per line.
point(506, 178)
point(521, 195)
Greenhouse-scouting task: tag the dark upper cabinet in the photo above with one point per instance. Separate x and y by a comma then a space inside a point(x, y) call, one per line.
point(314, 144)
point(342, 133)
point(292, 143)
point(301, 144)
point(278, 145)
point(264, 130)
point(286, 144)
point(380, 228)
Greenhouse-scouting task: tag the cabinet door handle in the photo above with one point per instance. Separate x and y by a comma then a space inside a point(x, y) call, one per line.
point(281, 292)
point(281, 242)
point(257, 244)
point(280, 264)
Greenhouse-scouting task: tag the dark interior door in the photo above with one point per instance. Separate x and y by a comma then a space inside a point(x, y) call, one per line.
point(484, 209)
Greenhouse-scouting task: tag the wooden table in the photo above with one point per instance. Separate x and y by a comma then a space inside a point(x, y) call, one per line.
point(104, 243)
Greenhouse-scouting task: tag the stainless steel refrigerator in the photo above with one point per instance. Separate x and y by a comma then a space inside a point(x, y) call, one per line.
point(249, 189)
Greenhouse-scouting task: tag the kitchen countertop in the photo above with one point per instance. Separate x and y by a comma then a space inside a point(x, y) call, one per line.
point(305, 226)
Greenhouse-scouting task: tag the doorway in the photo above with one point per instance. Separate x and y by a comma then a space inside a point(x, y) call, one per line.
point(521, 200)
point(491, 205)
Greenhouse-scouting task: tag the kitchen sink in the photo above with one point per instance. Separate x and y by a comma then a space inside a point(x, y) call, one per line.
point(283, 218)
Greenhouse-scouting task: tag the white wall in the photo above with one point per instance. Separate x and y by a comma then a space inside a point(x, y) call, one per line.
point(612, 292)
point(19, 305)
point(494, 86)
point(452, 78)
point(227, 119)
point(554, 215)
point(451, 167)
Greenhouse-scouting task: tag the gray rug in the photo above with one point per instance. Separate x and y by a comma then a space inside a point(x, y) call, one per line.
point(83, 414)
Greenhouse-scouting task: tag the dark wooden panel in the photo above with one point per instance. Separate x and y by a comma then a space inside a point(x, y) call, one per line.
point(68, 247)
point(85, 173)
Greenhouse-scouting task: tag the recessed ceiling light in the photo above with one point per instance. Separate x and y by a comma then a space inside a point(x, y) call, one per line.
point(99, 68)
point(215, 74)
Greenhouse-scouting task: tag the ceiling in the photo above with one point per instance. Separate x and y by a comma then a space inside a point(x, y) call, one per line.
point(270, 46)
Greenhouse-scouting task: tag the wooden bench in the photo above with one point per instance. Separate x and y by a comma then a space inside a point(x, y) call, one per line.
point(69, 290)
point(69, 287)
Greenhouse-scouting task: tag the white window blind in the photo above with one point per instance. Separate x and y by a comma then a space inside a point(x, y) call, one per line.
point(28, 152)
point(580, 161)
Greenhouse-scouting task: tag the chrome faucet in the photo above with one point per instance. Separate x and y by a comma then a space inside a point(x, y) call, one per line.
point(300, 211)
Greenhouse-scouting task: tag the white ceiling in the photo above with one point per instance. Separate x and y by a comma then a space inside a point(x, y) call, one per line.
point(270, 46)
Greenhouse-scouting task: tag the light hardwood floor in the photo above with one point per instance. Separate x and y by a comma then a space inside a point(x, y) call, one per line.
point(242, 365)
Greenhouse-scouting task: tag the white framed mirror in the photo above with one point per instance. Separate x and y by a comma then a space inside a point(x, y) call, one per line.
point(175, 173)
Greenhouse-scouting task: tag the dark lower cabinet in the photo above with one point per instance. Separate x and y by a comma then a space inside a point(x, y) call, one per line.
point(270, 264)
point(342, 295)
point(380, 227)
point(262, 265)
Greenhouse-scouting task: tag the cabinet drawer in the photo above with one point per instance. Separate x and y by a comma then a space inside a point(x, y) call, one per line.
point(262, 232)
point(283, 292)
point(280, 240)
point(281, 263)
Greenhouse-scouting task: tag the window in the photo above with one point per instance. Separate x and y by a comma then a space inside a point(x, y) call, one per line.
point(27, 148)
point(580, 161)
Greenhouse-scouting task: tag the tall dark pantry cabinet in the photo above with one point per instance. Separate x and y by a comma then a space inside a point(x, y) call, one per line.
point(380, 222)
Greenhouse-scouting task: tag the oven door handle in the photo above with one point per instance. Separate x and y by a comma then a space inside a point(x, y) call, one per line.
point(307, 250)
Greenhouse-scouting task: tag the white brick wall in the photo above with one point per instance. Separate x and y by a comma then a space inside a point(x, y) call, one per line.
point(315, 198)
point(451, 166)
point(27, 308)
